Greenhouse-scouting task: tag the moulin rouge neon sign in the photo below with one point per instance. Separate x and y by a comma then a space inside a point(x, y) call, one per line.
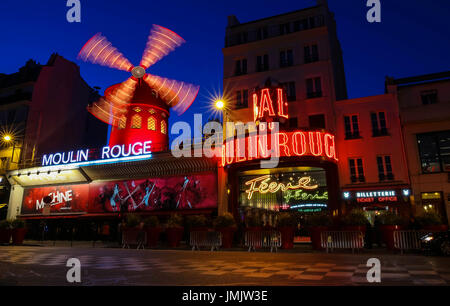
point(295, 143)
point(117, 153)
point(287, 144)
point(263, 185)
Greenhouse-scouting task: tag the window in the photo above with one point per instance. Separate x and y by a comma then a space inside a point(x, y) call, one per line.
point(356, 170)
point(241, 38)
point(317, 121)
point(163, 127)
point(241, 67)
point(301, 25)
point(137, 109)
point(151, 123)
point(311, 54)
point(429, 97)
point(313, 88)
point(308, 23)
point(136, 122)
point(241, 99)
point(122, 123)
point(351, 127)
point(152, 111)
point(385, 168)
point(262, 33)
point(378, 124)
point(285, 28)
point(262, 63)
point(286, 58)
point(434, 151)
point(289, 89)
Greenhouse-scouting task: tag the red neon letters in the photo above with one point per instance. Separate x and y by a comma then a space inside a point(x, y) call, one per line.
point(265, 107)
point(287, 144)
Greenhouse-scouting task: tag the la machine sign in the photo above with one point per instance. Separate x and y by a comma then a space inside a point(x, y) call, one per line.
point(135, 151)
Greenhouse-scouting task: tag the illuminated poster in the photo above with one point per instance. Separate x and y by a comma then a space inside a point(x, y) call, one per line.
point(285, 191)
point(65, 199)
point(167, 193)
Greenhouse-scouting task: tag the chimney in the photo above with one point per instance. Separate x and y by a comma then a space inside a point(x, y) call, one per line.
point(232, 21)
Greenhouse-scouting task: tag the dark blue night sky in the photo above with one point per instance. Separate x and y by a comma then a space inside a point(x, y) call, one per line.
point(412, 39)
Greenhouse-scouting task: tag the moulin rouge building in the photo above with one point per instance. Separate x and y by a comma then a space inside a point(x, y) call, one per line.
point(334, 153)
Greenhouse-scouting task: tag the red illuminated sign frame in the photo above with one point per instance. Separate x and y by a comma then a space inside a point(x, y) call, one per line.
point(287, 144)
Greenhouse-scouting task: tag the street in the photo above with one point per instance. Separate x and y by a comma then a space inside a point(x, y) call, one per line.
point(34, 265)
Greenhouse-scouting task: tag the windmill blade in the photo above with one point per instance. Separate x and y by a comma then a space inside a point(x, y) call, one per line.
point(176, 94)
point(161, 42)
point(105, 111)
point(122, 94)
point(99, 50)
point(113, 106)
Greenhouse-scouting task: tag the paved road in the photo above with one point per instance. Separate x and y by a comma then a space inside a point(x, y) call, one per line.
point(21, 265)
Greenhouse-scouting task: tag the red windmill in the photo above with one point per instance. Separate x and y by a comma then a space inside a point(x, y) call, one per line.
point(138, 108)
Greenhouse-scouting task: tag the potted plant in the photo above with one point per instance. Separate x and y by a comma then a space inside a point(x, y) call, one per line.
point(431, 221)
point(286, 226)
point(174, 230)
point(5, 231)
point(318, 223)
point(355, 220)
point(18, 231)
point(197, 223)
point(152, 228)
point(390, 222)
point(226, 225)
point(131, 230)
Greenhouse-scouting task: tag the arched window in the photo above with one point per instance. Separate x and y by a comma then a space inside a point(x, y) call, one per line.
point(151, 123)
point(122, 123)
point(163, 127)
point(136, 122)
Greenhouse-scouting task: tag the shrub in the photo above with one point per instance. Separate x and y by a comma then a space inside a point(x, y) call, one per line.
point(225, 220)
point(151, 221)
point(175, 220)
point(133, 220)
point(319, 219)
point(286, 219)
point(196, 221)
point(391, 218)
point(429, 218)
point(5, 224)
point(18, 223)
point(355, 217)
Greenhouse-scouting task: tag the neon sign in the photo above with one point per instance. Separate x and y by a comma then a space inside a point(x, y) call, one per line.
point(263, 185)
point(135, 151)
point(288, 144)
point(263, 105)
point(305, 196)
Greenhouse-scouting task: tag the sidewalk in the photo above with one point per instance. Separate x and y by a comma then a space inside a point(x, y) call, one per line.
point(301, 248)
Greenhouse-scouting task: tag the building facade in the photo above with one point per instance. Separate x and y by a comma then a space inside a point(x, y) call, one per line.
point(424, 111)
point(372, 162)
point(299, 55)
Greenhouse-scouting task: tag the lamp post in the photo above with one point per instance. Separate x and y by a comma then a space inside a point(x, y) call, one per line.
point(8, 139)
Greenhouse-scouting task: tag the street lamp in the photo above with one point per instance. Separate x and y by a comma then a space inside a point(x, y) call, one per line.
point(7, 138)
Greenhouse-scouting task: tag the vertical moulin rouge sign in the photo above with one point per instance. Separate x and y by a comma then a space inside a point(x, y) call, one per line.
point(168, 193)
point(65, 199)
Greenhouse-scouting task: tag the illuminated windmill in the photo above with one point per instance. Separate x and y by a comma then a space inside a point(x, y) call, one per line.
point(138, 108)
